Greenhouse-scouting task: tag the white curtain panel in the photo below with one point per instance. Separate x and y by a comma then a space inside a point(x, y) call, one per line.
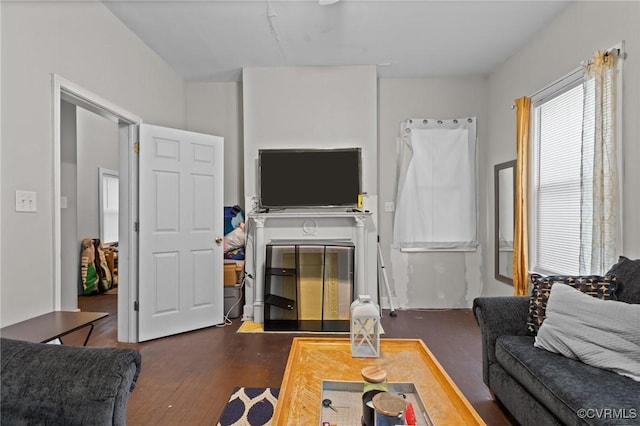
point(436, 194)
point(599, 166)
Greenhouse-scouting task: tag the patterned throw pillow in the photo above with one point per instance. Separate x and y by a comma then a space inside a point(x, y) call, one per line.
point(594, 285)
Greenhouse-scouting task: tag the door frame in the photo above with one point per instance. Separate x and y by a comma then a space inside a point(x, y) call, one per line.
point(66, 90)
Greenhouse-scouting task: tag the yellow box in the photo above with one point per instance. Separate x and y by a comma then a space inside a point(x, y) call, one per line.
point(233, 272)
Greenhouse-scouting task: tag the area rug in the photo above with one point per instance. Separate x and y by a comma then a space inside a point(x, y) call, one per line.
point(249, 407)
point(253, 327)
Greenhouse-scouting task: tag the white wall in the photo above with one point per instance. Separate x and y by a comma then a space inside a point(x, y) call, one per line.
point(310, 107)
point(314, 107)
point(70, 250)
point(97, 148)
point(87, 142)
point(216, 109)
point(1, 132)
point(572, 37)
point(84, 43)
point(431, 279)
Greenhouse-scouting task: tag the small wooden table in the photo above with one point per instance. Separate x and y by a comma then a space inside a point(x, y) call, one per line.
point(51, 326)
point(405, 360)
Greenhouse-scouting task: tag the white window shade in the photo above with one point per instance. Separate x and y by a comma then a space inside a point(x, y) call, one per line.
point(558, 177)
point(436, 197)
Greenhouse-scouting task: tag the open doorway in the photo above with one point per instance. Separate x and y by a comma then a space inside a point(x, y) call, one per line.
point(183, 176)
point(68, 97)
point(89, 164)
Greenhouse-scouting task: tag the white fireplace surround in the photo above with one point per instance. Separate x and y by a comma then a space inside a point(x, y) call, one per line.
point(307, 227)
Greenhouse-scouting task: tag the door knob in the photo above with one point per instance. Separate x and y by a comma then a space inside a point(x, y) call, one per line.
point(218, 240)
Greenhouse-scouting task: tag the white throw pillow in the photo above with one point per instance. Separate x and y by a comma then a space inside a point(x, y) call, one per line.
point(600, 333)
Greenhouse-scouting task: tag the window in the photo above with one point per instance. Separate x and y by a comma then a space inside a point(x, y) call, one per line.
point(574, 175)
point(557, 178)
point(436, 196)
point(108, 204)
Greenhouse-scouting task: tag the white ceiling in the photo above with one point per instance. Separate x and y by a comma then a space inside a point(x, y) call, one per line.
point(212, 40)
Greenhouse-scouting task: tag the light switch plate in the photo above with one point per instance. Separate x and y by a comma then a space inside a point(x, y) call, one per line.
point(26, 201)
point(389, 206)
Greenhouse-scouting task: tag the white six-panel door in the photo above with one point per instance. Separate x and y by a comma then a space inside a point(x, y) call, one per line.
point(181, 217)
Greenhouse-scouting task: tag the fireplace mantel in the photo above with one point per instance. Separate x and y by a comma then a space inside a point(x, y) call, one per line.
point(306, 227)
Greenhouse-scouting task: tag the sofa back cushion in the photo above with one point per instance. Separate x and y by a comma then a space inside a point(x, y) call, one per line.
point(627, 273)
point(593, 285)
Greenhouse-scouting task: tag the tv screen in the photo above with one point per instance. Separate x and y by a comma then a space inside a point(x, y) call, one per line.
point(290, 178)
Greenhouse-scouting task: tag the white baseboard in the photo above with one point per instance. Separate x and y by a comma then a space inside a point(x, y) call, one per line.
point(384, 302)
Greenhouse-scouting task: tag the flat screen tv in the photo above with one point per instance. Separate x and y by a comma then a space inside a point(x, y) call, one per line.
point(307, 178)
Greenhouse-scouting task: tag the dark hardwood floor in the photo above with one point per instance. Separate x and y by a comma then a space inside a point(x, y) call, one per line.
point(187, 379)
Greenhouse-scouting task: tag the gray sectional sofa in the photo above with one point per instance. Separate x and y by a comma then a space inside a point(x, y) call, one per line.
point(45, 384)
point(543, 388)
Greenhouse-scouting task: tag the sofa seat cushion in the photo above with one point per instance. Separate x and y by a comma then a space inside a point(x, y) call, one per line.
point(566, 386)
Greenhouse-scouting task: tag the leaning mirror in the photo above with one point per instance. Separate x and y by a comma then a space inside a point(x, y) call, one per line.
point(504, 182)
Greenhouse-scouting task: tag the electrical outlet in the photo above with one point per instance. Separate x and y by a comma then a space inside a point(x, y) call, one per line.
point(25, 201)
point(389, 206)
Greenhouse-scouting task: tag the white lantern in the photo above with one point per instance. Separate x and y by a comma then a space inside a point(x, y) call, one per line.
point(365, 328)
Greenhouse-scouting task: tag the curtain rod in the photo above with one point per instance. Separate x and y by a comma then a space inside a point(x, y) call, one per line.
point(544, 89)
point(615, 51)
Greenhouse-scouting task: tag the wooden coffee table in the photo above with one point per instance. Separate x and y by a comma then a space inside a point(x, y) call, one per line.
point(312, 360)
point(51, 326)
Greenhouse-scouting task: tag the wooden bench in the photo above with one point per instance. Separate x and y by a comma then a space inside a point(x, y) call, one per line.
point(51, 326)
